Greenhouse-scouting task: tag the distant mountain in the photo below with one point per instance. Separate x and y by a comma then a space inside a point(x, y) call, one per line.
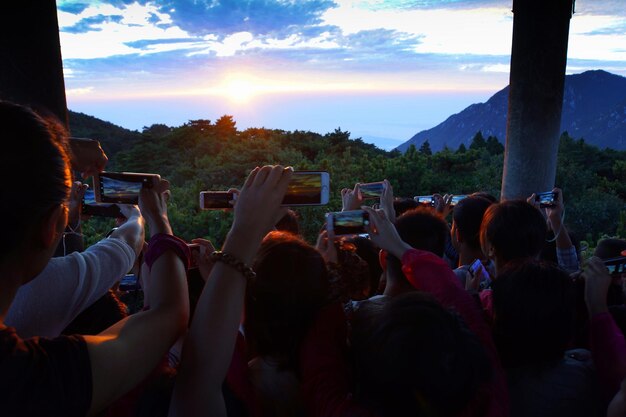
point(112, 138)
point(594, 108)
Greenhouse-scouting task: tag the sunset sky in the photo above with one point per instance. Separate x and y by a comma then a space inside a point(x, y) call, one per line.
point(383, 70)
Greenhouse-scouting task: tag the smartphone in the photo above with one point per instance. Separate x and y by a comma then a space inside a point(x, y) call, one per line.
point(616, 265)
point(455, 199)
point(478, 269)
point(91, 208)
point(195, 253)
point(129, 283)
point(372, 190)
point(308, 188)
point(426, 200)
point(352, 222)
point(546, 199)
point(217, 200)
point(121, 187)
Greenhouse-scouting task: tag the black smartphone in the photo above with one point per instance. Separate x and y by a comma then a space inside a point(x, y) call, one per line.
point(91, 208)
point(308, 188)
point(547, 199)
point(121, 187)
point(352, 222)
point(426, 200)
point(129, 283)
point(456, 198)
point(372, 190)
point(217, 200)
point(616, 265)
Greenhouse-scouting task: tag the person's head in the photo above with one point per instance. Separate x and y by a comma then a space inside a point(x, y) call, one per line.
point(402, 205)
point(466, 219)
point(610, 248)
point(36, 181)
point(290, 286)
point(485, 195)
point(512, 230)
point(289, 223)
point(350, 278)
point(534, 314)
point(369, 253)
point(421, 228)
point(419, 359)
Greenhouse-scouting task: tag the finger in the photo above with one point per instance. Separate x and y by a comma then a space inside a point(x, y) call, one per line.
point(251, 177)
point(261, 176)
point(274, 175)
point(163, 186)
point(167, 195)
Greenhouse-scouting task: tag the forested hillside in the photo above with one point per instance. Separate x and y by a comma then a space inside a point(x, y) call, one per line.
point(202, 155)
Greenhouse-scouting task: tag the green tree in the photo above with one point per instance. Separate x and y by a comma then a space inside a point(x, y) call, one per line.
point(425, 148)
point(462, 148)
point(494, 146)
point(478, 142)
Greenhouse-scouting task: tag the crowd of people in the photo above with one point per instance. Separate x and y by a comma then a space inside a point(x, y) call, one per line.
point(481, 309)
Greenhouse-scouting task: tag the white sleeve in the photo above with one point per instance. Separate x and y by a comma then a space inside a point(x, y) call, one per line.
point(68, 285)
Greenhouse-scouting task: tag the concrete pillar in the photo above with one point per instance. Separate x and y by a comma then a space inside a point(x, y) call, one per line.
point(31, 70)
point(538, 60)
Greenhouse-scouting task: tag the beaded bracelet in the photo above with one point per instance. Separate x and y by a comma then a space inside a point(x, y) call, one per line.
point(230, 260)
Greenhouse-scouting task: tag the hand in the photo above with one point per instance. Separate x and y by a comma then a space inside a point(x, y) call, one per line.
point(597, 282)
point(76, 202)
point(326, 246)
point(87, 156)
point(351, 199)
point(258, 209)
point(153, 204)
point(386, 201)
point(384, 234)
point(128, 211)
point(205, 264)
point(236, 192)
point(472, 282)
point(555, 214)
point(442, 204)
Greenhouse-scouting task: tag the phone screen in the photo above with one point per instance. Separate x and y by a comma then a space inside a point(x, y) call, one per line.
point(129, 283)
point(91, 208)
point(455, 199)
point(351, 222)
point(616, 265)
point(426, 200)
point(372, 189)
point(546, 199)
point(214, 200)
point(123, 188)
point(307, 189)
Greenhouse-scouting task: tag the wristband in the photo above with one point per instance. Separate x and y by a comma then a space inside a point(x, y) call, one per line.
point(161, 243)
point(230, 260)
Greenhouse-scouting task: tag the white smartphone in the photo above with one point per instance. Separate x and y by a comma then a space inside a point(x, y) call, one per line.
point(217, 200)
point(121, 187)
point(308, 188)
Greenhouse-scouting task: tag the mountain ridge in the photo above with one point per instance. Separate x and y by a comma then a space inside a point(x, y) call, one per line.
point(594, 108)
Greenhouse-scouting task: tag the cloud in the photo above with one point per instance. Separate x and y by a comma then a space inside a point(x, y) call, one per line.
point(90, 24)
point(72, 7)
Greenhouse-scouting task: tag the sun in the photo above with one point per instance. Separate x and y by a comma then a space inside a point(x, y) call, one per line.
point(239, 90)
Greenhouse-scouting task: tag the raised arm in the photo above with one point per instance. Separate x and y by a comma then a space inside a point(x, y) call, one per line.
point(608, 346)
point(123, 355)
point(209, 345)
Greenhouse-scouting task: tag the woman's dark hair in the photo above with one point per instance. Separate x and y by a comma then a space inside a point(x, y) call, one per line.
point(290, 286)
point(34, 167)
point(419, 359)
point(516, 229)
point(534, 314)
point(468, 215)
point(369, 253)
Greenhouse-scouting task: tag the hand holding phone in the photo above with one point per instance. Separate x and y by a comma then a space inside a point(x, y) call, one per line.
point(122, 187)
